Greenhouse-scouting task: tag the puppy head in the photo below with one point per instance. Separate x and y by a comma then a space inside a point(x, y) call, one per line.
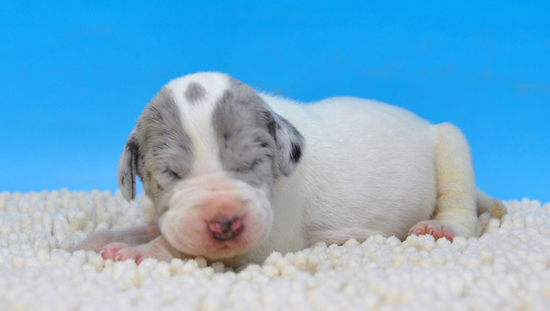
point(208, 150)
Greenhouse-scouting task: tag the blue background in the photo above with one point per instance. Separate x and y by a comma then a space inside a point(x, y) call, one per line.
point(75, 76)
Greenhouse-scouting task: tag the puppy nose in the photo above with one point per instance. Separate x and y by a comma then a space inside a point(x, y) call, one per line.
point(227, 229)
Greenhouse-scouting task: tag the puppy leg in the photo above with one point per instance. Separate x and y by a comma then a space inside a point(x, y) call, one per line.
point(158, 248)
point(132, 236)
point(455, 210)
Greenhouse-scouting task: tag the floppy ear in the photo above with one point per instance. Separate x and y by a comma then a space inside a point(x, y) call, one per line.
point(290, 145)
point(127, 168)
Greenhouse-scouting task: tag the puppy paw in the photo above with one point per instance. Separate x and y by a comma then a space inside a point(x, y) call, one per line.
point(121, 252)
point(433, 227)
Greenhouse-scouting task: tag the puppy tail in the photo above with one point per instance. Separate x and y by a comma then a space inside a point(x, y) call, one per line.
point(486, 203)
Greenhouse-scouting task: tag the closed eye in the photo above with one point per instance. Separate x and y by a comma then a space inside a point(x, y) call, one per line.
point(245, 166)
point(171, 173)
point(262, 142)
point(257, 162)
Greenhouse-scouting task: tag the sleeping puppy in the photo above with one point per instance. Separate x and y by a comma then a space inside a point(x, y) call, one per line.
point(235, 175)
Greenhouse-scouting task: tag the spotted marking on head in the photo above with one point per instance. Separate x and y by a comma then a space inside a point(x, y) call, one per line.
point(195, 92)
point(196, 119)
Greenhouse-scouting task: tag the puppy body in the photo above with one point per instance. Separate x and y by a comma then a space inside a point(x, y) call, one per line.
point(368, 168)
point(235, 175)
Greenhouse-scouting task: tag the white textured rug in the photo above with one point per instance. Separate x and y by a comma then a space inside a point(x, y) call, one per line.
point(506, 269)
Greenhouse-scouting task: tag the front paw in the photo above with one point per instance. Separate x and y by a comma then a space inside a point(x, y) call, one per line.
point(120, 252)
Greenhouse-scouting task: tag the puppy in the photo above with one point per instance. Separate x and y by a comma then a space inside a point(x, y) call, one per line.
point(235, 175)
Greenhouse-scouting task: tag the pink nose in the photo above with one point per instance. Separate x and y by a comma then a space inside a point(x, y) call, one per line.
point(227, 229)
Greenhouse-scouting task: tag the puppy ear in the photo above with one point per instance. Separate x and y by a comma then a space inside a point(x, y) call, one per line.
point(127, 167)
point(290, 145)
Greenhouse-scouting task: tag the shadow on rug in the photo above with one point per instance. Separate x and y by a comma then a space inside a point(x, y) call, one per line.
point(506, 269)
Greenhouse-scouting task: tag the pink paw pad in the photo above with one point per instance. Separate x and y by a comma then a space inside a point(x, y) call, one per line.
point(434, 228)
point(121, 252)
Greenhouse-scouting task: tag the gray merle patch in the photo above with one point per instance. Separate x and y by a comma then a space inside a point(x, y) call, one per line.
point(195, 92)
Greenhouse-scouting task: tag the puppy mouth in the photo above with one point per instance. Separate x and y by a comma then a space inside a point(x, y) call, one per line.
point(224, 250)
point(216, 245)
point(216, 225)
